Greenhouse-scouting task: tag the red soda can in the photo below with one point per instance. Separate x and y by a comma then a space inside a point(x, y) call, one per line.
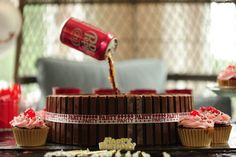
point(87, 39)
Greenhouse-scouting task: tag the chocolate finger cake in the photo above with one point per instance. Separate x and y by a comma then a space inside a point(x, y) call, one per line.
point(85, 120)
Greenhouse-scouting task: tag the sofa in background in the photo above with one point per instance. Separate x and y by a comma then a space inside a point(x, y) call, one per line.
point(130, 74)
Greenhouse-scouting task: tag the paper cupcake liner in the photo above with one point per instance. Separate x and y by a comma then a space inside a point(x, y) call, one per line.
point(195, 137)
point(30, 137)
point(221, 134)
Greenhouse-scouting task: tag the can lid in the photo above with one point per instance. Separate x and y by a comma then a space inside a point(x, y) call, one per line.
point(112, 46)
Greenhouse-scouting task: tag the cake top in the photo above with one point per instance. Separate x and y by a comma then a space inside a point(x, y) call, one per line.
point(29, 119)
point(228, 73)
point(195, 120)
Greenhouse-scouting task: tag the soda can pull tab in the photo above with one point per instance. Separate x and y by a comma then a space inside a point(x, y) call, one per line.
point(88, 39)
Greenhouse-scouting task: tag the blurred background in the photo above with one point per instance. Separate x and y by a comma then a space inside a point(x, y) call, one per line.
point(196, 38)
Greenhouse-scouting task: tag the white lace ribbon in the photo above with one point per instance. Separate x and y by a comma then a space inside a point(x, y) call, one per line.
point(114, 118)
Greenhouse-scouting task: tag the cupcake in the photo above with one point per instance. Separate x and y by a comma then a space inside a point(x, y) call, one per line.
point(227, 77)
point(222, 124)
point(195, 130)
point(29, 128)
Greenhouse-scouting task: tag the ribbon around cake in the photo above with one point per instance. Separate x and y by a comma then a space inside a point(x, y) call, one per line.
point(114, 118)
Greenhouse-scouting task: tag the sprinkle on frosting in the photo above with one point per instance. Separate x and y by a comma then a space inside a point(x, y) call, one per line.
point(209, 109)
point(195, 113)
point(29, 120)
point(216, 115)
point(228, 73)
point(29, 113)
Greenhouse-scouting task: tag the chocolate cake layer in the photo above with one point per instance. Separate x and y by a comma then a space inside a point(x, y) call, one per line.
point(109, 106)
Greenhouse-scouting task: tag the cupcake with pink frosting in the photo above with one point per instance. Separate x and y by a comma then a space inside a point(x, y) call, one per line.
point(227, 77)
point(222, 123)
point(29, 128)
point(195, 130)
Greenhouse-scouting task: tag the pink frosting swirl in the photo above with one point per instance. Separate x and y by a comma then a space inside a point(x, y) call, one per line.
point(29, 121)
point(228, 73)
point(222, 119)
point(216, 115)
point(196, 122)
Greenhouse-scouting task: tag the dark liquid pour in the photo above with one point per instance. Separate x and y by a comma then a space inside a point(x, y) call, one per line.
point(112, 74)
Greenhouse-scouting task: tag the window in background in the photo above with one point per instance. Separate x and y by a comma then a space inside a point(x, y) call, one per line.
point(223, 32)
point(7, 65)
point(193, 38)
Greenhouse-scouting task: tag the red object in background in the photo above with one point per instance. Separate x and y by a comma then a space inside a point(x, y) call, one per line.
point(179, 91)
point(65, 91)
point(87, 39)
point(9, 104)
point(143, 91)
point(105, 91)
